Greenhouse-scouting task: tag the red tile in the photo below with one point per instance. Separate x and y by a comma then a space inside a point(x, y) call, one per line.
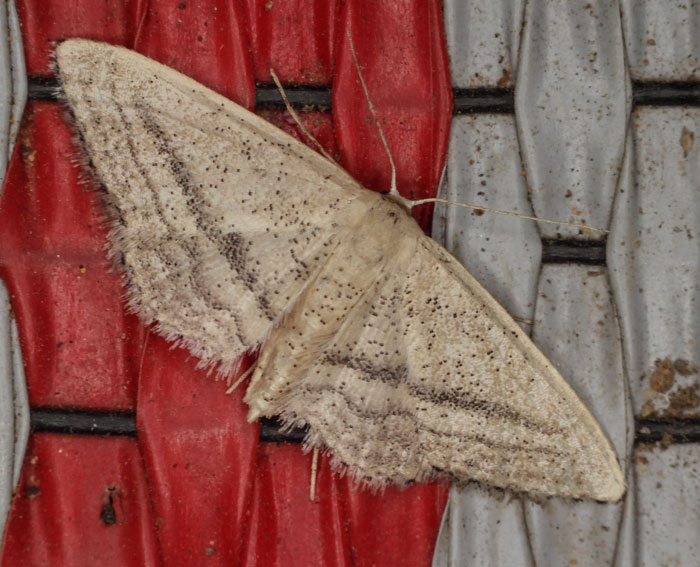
point(401, 49)
point(81, 501)
point(394, 528)
point(287, 529)
point(80, 348)
point(217, 497)
point(200, 458)
point(44, 23)
point(204, 40)
point(296, 38)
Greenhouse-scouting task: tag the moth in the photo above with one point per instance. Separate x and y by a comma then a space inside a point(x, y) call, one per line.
point(232, 236)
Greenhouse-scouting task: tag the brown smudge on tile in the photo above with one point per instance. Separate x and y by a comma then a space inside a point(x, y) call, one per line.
point(663, 376)
point(684, 400)
point(685, 367)
point(687, 141)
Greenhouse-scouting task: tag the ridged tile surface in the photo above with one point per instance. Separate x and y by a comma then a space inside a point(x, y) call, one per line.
point(663, 43)
point(14, 407)
point(572, 103)
point(576, 327)
point(668, 505)
point(483, 38)
point(654, 259)
point(503, 253)
point(195, 487)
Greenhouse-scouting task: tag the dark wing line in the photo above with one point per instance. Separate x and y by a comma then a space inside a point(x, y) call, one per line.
point(190, 251)
point(368, 372)
point(363, 411)
point(235, 254)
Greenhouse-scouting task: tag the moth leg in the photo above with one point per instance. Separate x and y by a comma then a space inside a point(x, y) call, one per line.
point(314, 472)
point(242, 377)
point(296, 118)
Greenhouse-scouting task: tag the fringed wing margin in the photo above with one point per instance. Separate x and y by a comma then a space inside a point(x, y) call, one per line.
point(428, 376)
point(218, 219)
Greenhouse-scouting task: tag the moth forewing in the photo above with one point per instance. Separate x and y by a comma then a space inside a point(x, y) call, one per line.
point(571, 448)
point(233, 234)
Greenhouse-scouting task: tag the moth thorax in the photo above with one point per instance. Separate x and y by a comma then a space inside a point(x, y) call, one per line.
point(375, 237)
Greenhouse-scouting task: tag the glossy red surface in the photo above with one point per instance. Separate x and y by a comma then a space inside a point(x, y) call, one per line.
point(198, 488)
point(80, 348)
point(400, 47)
point(296, 38)
point(82, 501)
point(205, 40)
point(200, 456)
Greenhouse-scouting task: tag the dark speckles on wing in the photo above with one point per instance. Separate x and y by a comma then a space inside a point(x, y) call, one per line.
point(364, 412)
point(230, 245)
point(235, 249)
point(414, 368)
point(143, 171)
point(458, 399)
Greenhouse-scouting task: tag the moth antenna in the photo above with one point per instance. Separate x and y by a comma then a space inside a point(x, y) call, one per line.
point(296, 118)
point(314, 472)
point(412, 204)
point(393, 190)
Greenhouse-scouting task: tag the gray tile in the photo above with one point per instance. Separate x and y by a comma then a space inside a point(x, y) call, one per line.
point(503, 253)
point(572, 107)
point(627, 548)
point(576, 328)
point(484, 169)
point(572, 101)
point(662, 39)
point(480, 528)
point(668, 505)
point(14, 407)
point(13, 82)
point(654, 259)
point(483, 40)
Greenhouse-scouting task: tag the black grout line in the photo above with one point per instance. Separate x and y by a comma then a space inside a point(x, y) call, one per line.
point(271, 432)
point(672, 93)
point(494, 100)
point(75, 421)
point(42, 89)
point(499, 100)
point(90, 422)
point(304, 98)
point(681, 430)
point(81, 421)
point(590, 252)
